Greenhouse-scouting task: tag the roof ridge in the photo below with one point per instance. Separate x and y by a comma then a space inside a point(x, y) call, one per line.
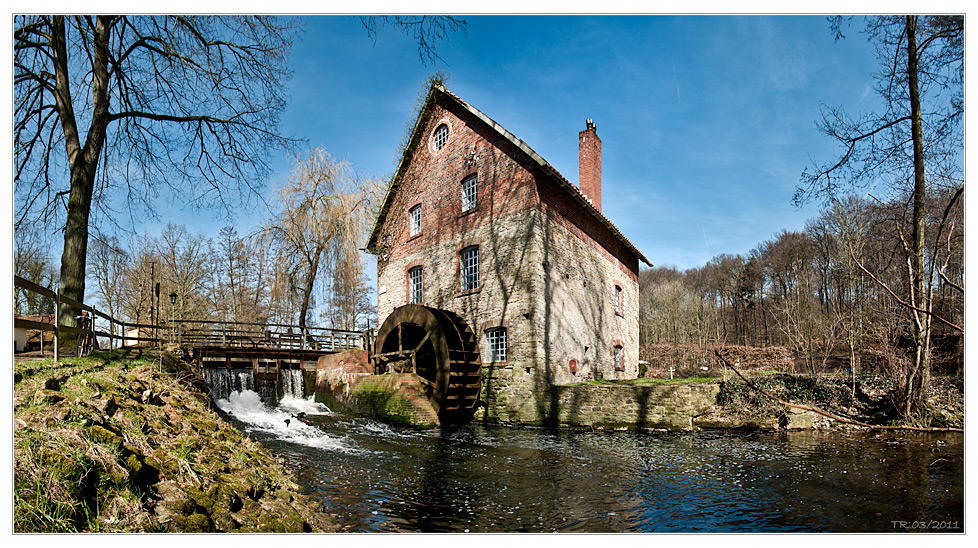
point(520, 144)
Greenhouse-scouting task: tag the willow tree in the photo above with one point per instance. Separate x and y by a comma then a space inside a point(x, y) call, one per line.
point(915, 145)
point(319, 225)
point(141, 108)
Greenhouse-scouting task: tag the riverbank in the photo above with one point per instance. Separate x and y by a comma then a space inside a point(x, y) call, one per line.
point(123, 442)
point(864, 400)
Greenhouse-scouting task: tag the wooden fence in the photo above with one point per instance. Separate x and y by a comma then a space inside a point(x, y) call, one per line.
point(92, 323)
point(197, 333)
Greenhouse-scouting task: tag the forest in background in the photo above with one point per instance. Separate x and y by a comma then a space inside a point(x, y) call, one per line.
point(804, 301)
point(301, 266)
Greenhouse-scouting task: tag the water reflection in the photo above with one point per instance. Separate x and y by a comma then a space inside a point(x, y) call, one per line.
point(500, 479)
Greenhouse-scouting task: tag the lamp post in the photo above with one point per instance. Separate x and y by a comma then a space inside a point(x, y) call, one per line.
point(173, 302)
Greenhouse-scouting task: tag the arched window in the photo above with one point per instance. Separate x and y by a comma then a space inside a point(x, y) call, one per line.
point(440, 137)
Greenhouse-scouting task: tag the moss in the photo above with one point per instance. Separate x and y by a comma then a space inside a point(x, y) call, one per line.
point(103, 436)
point(65, 468)
point(75, 471)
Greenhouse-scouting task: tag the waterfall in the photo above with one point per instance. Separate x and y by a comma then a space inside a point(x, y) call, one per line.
point(223, 382)
point(293, 383)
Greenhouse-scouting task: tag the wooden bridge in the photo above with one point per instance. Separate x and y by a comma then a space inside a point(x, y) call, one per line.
point(264, 347)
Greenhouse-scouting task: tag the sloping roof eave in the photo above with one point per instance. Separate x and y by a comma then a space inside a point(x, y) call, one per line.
point(562, 181)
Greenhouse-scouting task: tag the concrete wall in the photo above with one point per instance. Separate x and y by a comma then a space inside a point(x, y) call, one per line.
point(345, 381)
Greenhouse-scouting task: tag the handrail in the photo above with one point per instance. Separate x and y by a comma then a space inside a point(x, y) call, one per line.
point(256, 334)
point(90, 332)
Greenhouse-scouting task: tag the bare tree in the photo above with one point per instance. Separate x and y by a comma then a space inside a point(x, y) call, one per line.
point(186, 262)
point(915, 140)
point(424, 29)
point(319, 225)
point(109, 263)
point(238, 275)
point(187, 105)
point(32, 262)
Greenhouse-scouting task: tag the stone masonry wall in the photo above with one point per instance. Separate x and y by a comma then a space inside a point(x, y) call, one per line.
point(622, 406)
point(542, 276)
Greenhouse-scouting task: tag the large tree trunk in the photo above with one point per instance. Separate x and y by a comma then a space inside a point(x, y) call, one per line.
point(919, 375)
point(82, 161)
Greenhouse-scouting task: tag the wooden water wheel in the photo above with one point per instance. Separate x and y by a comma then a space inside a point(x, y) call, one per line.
point(440, 348)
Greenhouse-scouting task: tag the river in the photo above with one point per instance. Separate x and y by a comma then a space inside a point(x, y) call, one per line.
point(487, 478)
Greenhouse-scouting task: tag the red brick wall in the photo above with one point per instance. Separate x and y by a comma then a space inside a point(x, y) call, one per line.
point(589, 164)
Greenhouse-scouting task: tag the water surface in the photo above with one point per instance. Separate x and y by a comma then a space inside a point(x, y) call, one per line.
point(484, 478)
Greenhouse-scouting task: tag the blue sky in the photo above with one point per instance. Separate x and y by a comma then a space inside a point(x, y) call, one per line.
point(706, 122)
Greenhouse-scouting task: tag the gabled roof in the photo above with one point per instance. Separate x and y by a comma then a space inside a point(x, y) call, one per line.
point(437, 91)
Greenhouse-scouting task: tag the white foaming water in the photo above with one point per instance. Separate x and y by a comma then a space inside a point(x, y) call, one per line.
point(281, 421)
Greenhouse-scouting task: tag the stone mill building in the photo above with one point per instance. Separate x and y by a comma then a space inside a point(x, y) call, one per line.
point(478, 224)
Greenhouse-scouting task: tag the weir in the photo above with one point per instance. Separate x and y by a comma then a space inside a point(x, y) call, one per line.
point(222, 382)
point(272, 360)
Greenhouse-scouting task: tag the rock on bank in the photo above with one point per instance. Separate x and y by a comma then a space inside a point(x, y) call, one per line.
point(120, 442)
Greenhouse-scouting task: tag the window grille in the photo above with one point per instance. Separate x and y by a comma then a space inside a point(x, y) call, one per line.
point(496, 344)
point(470, 193)
point(619, 358)
point(440, 137)
point(469, 269)
point(415, 214)
point(415, 279)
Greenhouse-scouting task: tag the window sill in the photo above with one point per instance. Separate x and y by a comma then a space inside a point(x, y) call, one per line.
point(619, 314)
point(415, 237)
point(469, 292)
point(469, 212)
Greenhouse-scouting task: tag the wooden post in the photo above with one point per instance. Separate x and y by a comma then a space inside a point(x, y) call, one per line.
point(57, 331)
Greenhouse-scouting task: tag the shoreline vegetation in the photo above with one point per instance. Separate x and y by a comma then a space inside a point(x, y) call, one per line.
point(127, 441)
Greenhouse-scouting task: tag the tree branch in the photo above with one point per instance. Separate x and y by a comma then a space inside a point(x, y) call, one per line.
point(824, 413)
point(901, 301)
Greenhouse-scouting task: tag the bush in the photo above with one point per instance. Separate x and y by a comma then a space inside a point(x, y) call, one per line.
point(690, 360)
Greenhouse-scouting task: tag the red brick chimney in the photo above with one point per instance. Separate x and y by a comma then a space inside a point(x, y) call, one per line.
point(589, 162)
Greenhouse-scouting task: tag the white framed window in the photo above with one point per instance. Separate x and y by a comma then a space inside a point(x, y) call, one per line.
point(619, 300)
point(469, 268)
point(619, 358)
point(414, 214)
point(440, 137)
point(470, 193)
point(415, 285)
point(496, 347)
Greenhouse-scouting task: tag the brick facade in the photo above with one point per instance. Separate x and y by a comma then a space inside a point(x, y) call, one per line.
point(547, 266)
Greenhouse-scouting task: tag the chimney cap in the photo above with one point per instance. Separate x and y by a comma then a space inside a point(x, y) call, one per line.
point(590, 124)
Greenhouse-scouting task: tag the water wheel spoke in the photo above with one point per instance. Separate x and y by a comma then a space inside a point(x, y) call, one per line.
point(445, 355)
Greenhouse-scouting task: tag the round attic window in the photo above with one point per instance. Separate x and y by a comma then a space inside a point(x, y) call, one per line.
point(440, 137)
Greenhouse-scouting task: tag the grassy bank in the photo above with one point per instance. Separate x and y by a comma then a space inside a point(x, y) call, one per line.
point(866, 400)
point(122, 442)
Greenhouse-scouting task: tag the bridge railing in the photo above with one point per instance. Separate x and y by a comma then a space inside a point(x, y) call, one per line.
point(264, 335)
point(92, 323)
